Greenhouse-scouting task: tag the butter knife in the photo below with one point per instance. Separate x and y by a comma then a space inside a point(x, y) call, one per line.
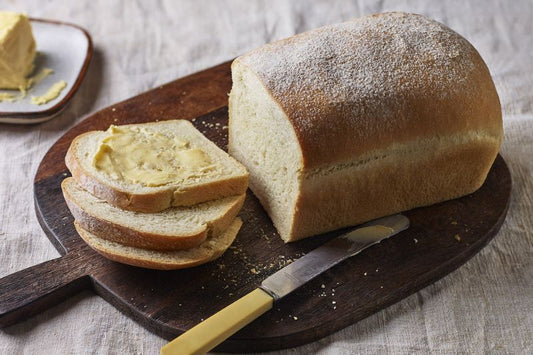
point(217, 328)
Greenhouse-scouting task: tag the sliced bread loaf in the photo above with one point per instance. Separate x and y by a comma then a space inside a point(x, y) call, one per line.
point(172, 229)
point(186, 184)
point(363, 119)
point(210, 249)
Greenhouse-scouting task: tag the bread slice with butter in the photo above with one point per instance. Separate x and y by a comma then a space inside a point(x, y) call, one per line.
point(210, 249)
point(172, 229)
point(153, 166)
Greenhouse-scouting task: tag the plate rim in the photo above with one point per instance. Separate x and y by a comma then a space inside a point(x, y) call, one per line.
point(44, 115)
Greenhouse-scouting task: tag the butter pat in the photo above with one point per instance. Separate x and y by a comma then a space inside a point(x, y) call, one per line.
point(7, 97)
point(138, 155)
point(17, 50)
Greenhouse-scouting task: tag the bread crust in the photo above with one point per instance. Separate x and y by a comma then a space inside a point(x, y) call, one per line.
point(125, 235)
point(157, 200)
point(164, 260)
point(439, 85)
point(377, 189)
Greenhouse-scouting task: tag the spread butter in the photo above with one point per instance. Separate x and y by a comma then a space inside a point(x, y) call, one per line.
point(138, 155)
point(51, 94)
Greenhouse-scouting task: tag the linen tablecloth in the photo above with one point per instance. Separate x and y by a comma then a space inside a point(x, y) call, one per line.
point(486, 306)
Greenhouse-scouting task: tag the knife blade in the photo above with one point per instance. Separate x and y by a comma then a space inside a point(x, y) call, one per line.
point(215, 329)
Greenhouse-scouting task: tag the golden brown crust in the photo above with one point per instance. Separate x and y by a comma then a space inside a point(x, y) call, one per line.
point(362, 85)
point(216, 190)
point(170, 260)
point(332, 201)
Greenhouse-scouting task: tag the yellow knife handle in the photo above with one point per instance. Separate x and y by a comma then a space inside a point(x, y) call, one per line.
point(220, 326)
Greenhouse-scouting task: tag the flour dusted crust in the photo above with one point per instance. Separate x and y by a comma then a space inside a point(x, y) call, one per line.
point(382, 79)
point(387, 112)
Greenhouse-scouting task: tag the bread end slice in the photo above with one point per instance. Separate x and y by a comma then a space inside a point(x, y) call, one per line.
point(211, 249)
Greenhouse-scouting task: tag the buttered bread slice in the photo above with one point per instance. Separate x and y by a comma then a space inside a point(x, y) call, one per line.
point(172, 229)
point(153, 166)
point(210, 249)
point(17, 50)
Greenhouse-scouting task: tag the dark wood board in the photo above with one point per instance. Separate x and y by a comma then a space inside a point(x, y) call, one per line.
point(441, 238)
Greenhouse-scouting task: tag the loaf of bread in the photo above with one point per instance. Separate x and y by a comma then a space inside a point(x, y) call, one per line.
point(221, 178)
point(362, 119)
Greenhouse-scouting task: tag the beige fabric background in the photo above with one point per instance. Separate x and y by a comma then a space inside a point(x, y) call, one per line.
point(484, 307)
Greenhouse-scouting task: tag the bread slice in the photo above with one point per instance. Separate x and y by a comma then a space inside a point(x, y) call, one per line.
point(226, 178)
point(210, 249)
point(172, 229)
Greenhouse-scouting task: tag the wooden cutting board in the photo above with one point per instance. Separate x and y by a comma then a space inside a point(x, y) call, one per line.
point(440, 239)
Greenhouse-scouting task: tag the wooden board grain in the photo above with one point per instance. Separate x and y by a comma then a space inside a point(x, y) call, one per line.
point(441, 238)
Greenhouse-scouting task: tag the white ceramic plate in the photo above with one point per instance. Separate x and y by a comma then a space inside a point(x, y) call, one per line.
point(67, 50)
